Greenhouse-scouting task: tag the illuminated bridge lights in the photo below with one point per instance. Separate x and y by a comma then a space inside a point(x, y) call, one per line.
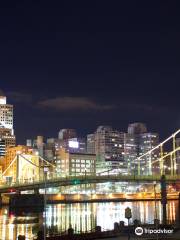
point(165, 162)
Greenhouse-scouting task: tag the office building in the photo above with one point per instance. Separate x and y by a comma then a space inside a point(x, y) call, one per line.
point(9, 139)
point(40, 145)
point(29, 143)
point(37, 145)
point(2, 148)
point(6, 122)
point(91, 143)
point(137, 142)
point(65, 134)
point(74, 163)
point(108, 145)
point(131, 152)
point(6, 114)
point(136, 128)
point(76, 145)
point(148, 141)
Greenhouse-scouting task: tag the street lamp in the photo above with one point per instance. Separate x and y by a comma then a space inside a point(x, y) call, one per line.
point(45, 169)
point(154, 184)
point(156, 217)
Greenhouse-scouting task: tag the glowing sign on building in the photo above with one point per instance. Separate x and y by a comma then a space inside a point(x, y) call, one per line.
point(73, 144)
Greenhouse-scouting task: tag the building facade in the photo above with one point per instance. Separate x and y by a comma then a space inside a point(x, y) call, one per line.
point(108, 145)
point(74, 164)
point(91, 143)
point(67, 134)
point(6, 122)
point(147, 142)
point(21, 169)
point(2, 148)
point(6, 114)
point(139, 141)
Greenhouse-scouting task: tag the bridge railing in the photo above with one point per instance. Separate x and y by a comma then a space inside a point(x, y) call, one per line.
point(92, 179)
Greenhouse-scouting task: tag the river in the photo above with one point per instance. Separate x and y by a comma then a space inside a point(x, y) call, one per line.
point(81, 216)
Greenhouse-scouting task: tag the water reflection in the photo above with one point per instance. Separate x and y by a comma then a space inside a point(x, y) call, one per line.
point(82, 217)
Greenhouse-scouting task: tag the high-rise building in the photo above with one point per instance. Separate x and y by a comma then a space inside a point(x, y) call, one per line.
point(47, 149)
point(6, 114)
point(2, 148)
point(6, 122)
point(67, 138)
point(148, 141)
point(137, 142)
point(137, 128)
point(131, 152)
point(5, 134)
point(40, 145)
point(109, 149)
point(74, 163)
point(67, 134)
point(91, 143)
point(76, 145)
point(29, 143)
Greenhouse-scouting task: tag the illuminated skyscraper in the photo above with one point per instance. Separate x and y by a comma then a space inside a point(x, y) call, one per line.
point(137, 142)
point(137, 128)
point(6, 114)
point(2, 148)
point(148, 141)
point(6, 122)
point(74, 163)
point(67, 134)
point(108, 145)
point(91, 143)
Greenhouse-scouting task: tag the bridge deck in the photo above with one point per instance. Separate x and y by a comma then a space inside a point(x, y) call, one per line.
point(77, 180)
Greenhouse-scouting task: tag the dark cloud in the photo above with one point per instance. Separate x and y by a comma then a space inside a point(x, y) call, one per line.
point(19, 97)
point(74, 103)
point(145, 107)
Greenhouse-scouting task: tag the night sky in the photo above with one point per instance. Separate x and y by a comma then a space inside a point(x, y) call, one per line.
point(80, 64)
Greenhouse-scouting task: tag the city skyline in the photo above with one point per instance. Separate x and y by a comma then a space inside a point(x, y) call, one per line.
point(85, 65)
point(89, 119)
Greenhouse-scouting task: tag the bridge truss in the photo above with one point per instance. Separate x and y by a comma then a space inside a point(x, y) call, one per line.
point(168, 163)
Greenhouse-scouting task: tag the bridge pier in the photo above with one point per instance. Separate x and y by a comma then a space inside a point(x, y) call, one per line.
point(36, 191)
point(18, 192)
point(164, 198)
point(179, 207)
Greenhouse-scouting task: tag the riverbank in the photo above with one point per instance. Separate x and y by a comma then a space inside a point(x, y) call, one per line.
point(92, 198)
point(123, 234)
point(82, 217)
